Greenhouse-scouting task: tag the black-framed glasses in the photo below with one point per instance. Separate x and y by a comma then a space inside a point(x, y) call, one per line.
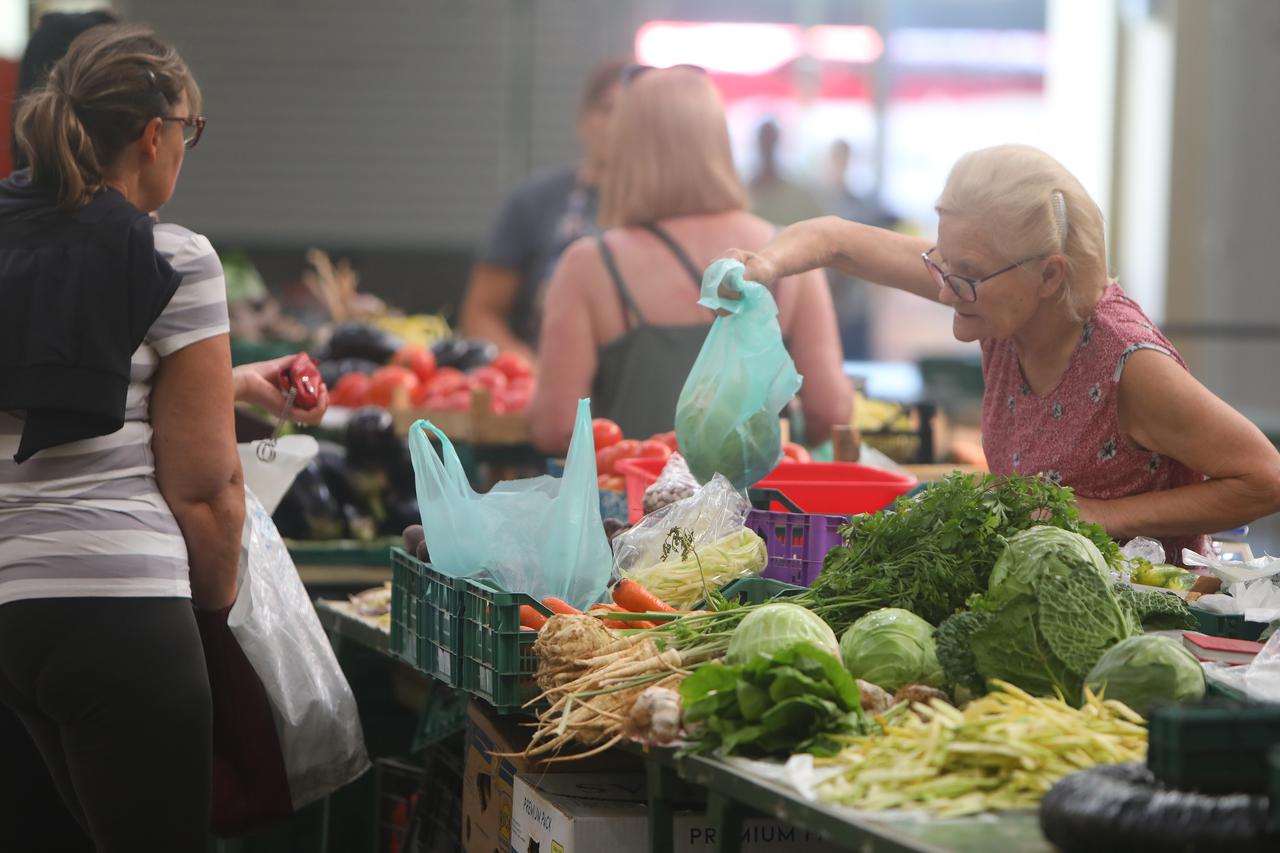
point(192, 128)
point(965, 288)
point(631, 72)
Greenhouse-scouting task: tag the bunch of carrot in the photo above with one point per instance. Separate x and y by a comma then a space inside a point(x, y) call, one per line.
point(633, 607)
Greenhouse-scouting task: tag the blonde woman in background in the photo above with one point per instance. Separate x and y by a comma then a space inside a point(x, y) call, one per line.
point(1080, 385)
point(621, 321)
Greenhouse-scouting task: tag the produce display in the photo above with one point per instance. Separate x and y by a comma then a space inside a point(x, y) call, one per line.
point(1003, 751)
point(612, 447)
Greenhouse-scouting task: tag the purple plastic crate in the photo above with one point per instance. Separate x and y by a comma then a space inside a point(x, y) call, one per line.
point(797, 542)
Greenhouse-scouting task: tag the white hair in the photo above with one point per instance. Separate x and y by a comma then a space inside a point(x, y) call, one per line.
point(1032, 206)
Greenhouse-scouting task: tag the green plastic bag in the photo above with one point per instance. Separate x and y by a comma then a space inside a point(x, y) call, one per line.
point(727, 415)
point(542, 536)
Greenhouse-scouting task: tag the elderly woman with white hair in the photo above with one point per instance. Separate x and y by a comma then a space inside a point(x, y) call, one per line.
point(1080, 384)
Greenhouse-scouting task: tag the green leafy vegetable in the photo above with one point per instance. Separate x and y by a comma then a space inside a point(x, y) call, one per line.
point(799, 699)
point(774, 627)
point(891, 648)
point(1047, 618)
point(930, 552)
point(954, 643)
point(1142, 671)
point(1157, 611)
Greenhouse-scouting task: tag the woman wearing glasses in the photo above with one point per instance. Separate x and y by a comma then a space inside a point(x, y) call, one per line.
point(1080, 385)
point(121, 499)
point(621, 322)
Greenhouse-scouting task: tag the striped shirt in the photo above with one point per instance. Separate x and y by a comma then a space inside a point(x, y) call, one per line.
point(86, 519)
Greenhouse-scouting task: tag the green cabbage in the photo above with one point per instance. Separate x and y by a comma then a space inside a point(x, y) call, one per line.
point(776, 627)
point(1142, 671)
point(890, 648)
point(1047, 617)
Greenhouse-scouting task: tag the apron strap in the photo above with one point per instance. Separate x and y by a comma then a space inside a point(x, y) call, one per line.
point(629, 308)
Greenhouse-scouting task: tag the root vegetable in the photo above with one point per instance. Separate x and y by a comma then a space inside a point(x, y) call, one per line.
point(655, 716)
point(632, 596)
point(531, 618)
point(555, 605)
point(875, 700)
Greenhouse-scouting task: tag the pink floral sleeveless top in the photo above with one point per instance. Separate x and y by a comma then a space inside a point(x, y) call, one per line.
point(1072, 433)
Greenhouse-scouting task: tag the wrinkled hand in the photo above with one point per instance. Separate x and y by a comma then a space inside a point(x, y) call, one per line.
point(755, 268)
point(255, 384)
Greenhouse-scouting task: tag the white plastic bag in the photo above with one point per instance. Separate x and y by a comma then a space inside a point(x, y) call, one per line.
point(270, 480)
point(277, 628)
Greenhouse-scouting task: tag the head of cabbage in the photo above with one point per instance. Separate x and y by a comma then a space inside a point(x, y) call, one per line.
point(1142, 671)
point(891, 648)
point(774, 627)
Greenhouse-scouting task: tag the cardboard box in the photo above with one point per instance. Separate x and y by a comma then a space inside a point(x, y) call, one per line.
point(488, 779)
point(590, 813)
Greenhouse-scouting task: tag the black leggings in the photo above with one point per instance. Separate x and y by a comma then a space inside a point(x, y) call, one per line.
point(115, 694)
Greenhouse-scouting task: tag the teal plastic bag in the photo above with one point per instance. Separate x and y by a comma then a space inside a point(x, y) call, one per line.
point(727, 415)
point(541, 536)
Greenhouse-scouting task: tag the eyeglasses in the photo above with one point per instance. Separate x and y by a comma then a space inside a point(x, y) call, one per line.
point(631, 72)
point(192, 128)
point(965, 288)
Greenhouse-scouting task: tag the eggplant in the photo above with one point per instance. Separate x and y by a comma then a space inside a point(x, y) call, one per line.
point(309, 510)
point(464, 353)
point(359, 340)
point(331, 370)
point(371, 440)
point(402, 513)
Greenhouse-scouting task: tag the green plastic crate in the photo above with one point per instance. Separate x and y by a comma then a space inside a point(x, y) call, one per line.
point(759, 590)
point(498, 662)
point(407, 582)
point(436, 602)
point(1214, 747)
point(1275, 785)
point(1230, 625)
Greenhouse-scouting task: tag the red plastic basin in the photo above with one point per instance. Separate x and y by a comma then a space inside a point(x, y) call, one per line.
point(834, 488)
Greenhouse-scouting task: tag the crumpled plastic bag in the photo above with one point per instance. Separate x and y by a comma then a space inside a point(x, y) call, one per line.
point(1258, 680)
point(1257, 601)
point(727, 414)
point(1143, 548)
point(1234, 571)
point(718, 546)
point(675, 483)
point(276, 625)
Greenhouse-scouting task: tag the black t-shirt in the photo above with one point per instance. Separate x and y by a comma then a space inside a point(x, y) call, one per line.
point(538, 222)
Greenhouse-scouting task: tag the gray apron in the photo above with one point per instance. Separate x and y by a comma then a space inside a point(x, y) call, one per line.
point(640, 374)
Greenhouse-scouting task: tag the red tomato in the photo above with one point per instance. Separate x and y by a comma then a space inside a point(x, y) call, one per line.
point(653, 449)
point(516, 400)
point(447, 380)
point(487, 377)
point(351, 390)
point(418, 359)
point(385, 381)
point(512, 365)
point(605, 432)
point(605, 459)
point(522, 383)
point(795, 453)
point(667, 438)
point(628, 448)
point(458, 401)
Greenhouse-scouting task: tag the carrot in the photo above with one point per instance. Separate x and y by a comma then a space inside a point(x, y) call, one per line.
point(555, 605)
point(531, 618)
point(637, 599)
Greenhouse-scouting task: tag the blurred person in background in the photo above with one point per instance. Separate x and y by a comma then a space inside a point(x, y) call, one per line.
point(774, 197)
point(1080, 385)
point(538, 221)
point(622, 323)
point(851, 295)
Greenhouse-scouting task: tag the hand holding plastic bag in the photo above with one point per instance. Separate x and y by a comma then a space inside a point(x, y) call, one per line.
point(727, 415)
point(542, 536)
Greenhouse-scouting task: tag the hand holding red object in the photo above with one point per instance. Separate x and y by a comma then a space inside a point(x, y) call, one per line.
point(302, 375)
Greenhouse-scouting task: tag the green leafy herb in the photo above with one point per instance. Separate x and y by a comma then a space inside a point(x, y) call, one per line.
point(798, 700)
point(930, 552)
